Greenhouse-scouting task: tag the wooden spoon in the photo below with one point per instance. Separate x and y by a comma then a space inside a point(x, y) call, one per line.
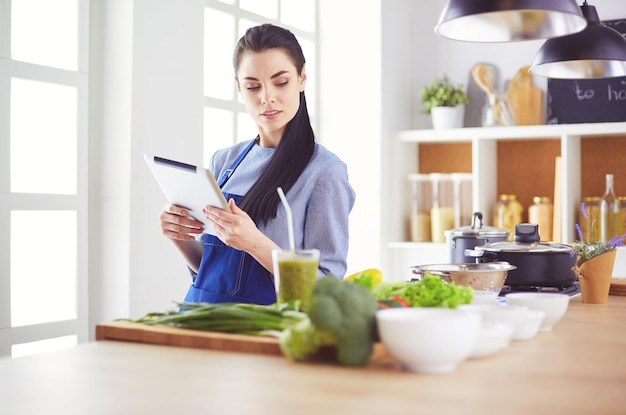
point(484, 79)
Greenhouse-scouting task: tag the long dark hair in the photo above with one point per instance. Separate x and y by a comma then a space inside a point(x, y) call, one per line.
point(297, 144)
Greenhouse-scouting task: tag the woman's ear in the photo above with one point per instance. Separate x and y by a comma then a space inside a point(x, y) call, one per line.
point(302, 79)
point(237, 82)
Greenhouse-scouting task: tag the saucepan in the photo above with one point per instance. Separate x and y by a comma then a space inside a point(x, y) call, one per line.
point(469, 237)
point(539, 264)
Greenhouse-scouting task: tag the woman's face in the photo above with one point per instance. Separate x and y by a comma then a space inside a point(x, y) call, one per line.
point(270, 87)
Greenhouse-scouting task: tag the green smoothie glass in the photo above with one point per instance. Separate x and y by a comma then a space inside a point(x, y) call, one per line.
point(294, 273)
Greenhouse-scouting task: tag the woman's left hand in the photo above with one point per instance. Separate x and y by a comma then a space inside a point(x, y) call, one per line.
point(234, 228)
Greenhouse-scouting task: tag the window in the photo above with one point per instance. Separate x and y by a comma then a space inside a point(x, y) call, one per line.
point(225, 21)
point(43, 175)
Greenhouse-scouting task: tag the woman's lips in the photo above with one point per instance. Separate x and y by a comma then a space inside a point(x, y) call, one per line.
point(270, 115)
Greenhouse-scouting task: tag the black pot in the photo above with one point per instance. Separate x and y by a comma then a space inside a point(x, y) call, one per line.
point(469, 237)
point(542, 264)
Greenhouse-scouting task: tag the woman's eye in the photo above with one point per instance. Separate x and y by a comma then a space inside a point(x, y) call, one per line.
point(282, 84)
point(252, 87)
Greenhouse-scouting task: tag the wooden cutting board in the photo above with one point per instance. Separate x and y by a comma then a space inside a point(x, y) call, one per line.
point(525, 100)
point(172, 336)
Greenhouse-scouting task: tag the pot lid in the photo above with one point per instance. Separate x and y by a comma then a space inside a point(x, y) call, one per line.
point(538, 247)
point(477, 229)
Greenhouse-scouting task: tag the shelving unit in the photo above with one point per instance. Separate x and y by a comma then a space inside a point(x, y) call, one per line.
point(508, 145)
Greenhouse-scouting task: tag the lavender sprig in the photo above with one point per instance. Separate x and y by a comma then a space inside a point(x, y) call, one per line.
point(584, 249)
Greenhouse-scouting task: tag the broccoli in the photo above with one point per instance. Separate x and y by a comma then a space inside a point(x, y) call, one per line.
point(341, 314)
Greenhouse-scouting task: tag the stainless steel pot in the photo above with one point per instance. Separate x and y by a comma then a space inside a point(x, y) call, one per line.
point(542, 264)
point(488, 276)
point(468, 237)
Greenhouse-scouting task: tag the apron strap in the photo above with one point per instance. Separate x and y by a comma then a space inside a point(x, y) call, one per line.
point(229, 171)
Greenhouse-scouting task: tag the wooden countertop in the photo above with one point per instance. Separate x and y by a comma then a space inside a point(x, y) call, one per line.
point(579, 368)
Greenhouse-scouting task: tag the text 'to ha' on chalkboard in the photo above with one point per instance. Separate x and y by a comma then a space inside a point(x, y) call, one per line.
point(573, 101)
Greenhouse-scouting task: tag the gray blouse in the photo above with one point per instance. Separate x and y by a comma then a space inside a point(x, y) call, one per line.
point(320, 200)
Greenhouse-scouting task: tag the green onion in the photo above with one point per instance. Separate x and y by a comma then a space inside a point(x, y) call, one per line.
point(229, 318)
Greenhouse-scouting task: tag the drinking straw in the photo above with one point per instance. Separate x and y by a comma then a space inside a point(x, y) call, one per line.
point(292, 244)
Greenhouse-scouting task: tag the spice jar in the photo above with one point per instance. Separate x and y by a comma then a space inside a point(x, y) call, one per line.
point(421, 202)
point(442, 211)
point(508, 214)
point(540, 212)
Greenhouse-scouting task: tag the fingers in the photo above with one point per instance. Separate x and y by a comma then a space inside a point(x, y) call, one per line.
point(176, 223)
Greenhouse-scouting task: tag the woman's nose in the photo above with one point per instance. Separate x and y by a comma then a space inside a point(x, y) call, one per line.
point(268, 96)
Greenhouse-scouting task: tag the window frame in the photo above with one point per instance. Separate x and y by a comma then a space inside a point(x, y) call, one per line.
point(79, 79)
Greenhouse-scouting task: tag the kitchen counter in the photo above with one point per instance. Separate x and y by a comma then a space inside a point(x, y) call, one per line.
point(579, 368)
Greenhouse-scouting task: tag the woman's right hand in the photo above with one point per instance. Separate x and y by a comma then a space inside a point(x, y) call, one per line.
point(176, 224)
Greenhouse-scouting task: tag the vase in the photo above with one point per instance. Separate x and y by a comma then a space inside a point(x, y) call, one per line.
point(595, 277)
point(447, 117)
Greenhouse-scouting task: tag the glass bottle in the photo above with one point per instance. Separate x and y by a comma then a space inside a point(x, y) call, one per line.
point(610, 224)
point(508, 214)
point(540, 212)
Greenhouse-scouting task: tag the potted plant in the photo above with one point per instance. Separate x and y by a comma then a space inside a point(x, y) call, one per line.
point(594, 263)
point(445, 102)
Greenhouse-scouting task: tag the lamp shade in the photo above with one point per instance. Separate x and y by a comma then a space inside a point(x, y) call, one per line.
point(509, 21)
point(597, 52)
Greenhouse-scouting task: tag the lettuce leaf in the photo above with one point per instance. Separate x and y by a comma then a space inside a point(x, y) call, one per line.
point(430, 291)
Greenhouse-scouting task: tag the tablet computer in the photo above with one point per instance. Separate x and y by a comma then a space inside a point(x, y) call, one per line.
point(188, 186)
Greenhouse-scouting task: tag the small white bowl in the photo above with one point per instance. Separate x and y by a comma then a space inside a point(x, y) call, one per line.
point(514, 316)
point(530, 327)
point(484, 297)
point(553, 304)
point(492, 338)
point(428, 340)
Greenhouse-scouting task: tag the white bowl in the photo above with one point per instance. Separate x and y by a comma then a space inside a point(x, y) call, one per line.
point(428, 340)
point(553, 304)
point(514, 316)
point(530, 327)
point(491, 338)
point(484, 297)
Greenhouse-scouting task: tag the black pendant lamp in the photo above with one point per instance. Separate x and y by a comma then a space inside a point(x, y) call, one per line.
point(597, 52)
point(509, 20)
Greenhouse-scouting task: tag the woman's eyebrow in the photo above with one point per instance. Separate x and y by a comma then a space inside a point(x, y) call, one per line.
point(276, 75)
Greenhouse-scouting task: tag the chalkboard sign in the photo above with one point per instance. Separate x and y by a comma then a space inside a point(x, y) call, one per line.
point(588, 100)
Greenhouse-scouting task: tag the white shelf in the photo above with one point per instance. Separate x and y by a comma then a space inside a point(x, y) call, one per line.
point(484, 161)
point(511, 133)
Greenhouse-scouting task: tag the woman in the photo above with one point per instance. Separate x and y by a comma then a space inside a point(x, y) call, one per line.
point(236, 265)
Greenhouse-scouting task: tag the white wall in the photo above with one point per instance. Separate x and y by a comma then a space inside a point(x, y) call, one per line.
point(350, 113)
point(147, 96)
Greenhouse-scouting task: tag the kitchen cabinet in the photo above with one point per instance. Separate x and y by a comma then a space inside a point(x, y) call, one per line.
point(518, 160)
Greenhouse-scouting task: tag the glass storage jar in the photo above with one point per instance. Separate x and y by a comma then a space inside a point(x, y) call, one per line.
point(442, 211)
point(463, 211)
point(421, 203)
point(508, 214)
point(540, 212)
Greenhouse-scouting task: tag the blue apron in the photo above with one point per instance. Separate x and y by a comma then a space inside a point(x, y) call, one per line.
point(228, 275)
